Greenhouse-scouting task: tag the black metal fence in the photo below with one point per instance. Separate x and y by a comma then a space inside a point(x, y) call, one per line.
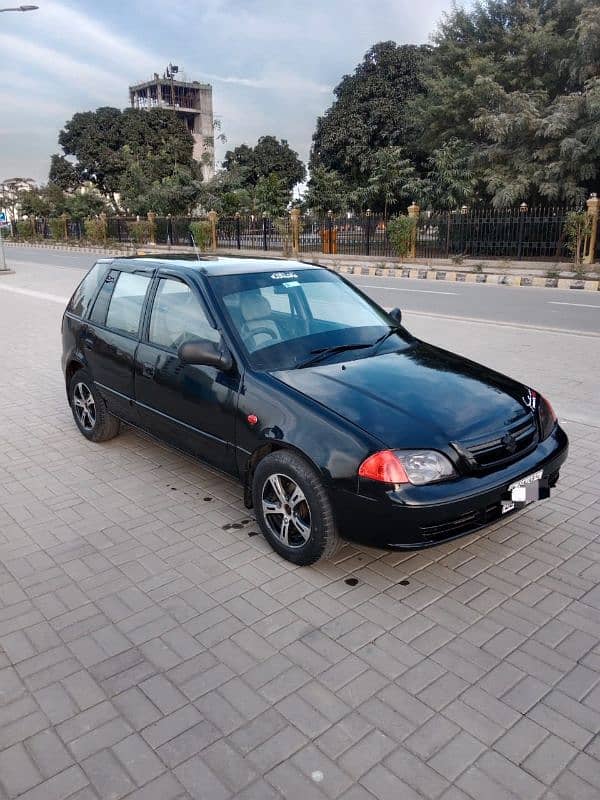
point(520, 233)
point(535, 233)
point(254, 233)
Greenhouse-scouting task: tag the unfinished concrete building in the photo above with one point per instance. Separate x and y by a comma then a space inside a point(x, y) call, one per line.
point(191, 101)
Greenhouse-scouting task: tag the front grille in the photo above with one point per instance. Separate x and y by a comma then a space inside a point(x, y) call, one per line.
point(507, 446)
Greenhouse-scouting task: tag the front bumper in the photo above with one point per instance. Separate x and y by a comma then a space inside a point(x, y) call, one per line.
point(419, 516)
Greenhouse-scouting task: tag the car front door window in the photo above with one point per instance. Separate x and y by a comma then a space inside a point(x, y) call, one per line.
point(177, 316)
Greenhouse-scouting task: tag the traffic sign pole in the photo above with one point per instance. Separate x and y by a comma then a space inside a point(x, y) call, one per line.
point(4, 268)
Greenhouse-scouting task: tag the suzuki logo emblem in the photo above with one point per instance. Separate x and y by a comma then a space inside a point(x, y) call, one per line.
point(509, 442)
point(530, 399)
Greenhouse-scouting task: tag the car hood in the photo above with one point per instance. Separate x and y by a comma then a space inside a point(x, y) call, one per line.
point(418, 397)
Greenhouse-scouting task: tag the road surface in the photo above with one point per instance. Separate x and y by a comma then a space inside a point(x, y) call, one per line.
point(569, 309)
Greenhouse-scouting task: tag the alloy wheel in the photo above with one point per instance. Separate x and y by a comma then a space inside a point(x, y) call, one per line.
point(85, 406)
point(286, 511)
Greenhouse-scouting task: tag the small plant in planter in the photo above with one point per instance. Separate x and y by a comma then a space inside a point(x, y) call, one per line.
point(401, 231)
point(95, 230)
point(57, 229)
point(139, 231)
point(283, 228)
point(578, 227)
point(201, 231)
point(26, 230)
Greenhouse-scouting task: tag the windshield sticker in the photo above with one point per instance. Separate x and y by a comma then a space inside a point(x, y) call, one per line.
point(279, 276)
point(291, 284)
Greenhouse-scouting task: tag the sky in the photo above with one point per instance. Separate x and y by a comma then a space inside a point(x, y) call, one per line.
point(272, 63)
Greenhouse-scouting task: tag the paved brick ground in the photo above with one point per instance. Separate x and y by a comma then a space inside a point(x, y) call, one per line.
point(150, 647)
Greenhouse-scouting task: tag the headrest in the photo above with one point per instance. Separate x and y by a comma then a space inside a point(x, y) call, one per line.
point(255, 306)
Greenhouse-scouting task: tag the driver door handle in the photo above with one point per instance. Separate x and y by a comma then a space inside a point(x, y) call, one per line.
point(147, 370)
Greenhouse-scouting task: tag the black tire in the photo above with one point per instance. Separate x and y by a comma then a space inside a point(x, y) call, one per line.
point(96, 424)
point(288, 470)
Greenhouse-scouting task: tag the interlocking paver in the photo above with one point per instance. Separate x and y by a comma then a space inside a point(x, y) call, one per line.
point(549, 759)
point(17, 770)
point(107, 776)
point(147, 652)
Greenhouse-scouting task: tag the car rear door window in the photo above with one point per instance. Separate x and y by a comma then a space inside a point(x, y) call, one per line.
point(127, 302)
point(178, 316)
point(86, 291)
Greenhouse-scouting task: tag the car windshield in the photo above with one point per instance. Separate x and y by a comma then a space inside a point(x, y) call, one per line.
point(293, 318)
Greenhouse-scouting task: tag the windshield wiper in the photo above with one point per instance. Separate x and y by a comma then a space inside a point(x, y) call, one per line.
point(324, 352)
point(378, 342)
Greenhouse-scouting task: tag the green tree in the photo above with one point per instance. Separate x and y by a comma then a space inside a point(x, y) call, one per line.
point(272, 197)
point(393, 179)
point(450, 182)
point(247, 165)
point(326, 191)
point(370, 111)
point(63, 173)
point(106, 143)
point(516, 81)
point(176, 193)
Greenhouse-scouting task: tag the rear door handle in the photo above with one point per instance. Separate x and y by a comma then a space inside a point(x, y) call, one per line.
point(89, 341)
point(147, 370)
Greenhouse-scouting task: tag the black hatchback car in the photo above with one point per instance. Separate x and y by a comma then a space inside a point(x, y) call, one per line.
point(337, 421)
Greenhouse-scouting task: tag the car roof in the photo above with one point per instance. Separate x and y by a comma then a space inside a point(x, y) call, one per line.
point(215, 266)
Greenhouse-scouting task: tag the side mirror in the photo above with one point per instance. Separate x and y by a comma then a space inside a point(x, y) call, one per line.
point(202, 352)
point(396, 315)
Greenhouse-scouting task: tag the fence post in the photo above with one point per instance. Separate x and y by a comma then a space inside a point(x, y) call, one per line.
point(413, 213)
point(368, 248)
point(523, 209)
point(213, 217)
point(65, 219)
point(264, 230)
point(104, 221)
point(237, 230)
point(170, 230)
point(295, 226)
point(593, 207)
point(152, 226)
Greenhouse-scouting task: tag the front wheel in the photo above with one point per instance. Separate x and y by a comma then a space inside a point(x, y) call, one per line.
point(89, 410)
point(293, 509)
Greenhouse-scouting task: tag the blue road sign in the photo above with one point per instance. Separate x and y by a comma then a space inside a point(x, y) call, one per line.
point(2, 216)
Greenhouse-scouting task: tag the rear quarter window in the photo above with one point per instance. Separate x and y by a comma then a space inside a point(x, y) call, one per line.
point(81, 301)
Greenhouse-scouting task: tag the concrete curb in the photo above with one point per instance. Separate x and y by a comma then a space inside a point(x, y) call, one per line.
point(71, 249)
point(464, 277)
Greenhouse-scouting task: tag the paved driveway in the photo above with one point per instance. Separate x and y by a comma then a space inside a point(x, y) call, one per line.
point(151, 646)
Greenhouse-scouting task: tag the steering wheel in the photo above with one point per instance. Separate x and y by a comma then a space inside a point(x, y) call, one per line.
point(267, 331)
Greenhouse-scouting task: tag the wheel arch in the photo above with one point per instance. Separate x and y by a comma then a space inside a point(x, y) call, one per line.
point(73, 365)
point(265, 449)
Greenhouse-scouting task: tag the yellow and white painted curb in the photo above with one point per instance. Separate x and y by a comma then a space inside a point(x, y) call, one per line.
point(425, 273)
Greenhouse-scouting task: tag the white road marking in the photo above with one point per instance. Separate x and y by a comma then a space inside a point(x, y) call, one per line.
point(580, 305)
point(32, 293)
point(401, 289)
point(498, 323)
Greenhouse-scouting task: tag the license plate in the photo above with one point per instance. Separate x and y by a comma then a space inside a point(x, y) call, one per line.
point(507, 505)
point(527, 489)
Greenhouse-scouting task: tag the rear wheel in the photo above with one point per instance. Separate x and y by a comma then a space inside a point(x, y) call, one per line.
point(89, 410)
point(293, 509)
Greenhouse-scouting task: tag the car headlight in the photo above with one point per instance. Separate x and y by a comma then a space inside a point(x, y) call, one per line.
point(407, 466)
point(546, 416)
